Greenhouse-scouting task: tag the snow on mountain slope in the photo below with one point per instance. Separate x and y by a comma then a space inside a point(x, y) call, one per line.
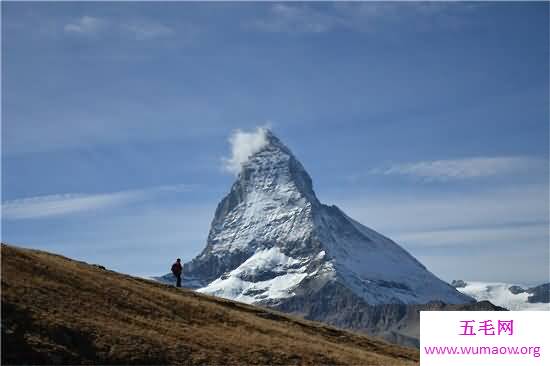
point(501, 295)
point(271, 239)
point(267, 274)
point(375, 267)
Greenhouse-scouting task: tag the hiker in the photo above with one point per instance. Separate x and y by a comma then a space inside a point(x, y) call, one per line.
point(176, 270)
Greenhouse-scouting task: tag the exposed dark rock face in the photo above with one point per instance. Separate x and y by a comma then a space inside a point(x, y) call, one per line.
point(516, 289)
point(458, 284)
point(539, 294)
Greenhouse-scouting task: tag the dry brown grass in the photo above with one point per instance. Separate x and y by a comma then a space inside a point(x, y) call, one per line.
point(59, 311)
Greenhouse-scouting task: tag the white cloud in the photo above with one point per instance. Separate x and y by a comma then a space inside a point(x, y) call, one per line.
point(69, 203)
point(147, 31)
point(360, 16)
point(85, 25)
point(294, 18)
point(144, 241)
point(403, 214)
point(140, 30)
point(521, 235)
point(467, 168)
point(514, 253)
point(243, 146)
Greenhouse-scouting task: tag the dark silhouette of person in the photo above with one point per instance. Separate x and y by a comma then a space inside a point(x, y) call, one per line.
point(176, 270)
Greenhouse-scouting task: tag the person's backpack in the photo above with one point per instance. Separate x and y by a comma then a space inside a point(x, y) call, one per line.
point(176, 269)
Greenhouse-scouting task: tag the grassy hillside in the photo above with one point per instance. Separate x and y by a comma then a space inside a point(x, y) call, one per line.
point(60, 311)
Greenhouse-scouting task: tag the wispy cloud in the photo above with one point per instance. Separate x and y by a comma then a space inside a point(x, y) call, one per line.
point(402, 213)
point(140, 242)
point(146, 31)
point(294, 18)
point(466, 168)
point(140, 30)
point(69, 203)
point(85, 25)
point(474, 237)
point(522, 248)
point(244, 145)
point(358, 16)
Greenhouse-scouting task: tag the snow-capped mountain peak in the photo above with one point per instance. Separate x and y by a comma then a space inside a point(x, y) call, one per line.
point(271, 201)
point(274, 170)
point(272, 240)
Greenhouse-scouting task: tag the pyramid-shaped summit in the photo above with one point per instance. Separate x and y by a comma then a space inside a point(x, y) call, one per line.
point(273, 243)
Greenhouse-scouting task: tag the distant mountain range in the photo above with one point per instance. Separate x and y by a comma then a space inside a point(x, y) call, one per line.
point(509, 296)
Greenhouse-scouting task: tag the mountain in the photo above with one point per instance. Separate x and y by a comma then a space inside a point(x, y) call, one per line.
point(272, 242)
point(510, 296)
point(60, 311)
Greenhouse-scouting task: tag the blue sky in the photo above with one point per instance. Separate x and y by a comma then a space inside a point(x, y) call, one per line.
point(425, 121)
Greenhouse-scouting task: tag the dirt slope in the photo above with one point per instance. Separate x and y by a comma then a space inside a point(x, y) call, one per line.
point(60, 311)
